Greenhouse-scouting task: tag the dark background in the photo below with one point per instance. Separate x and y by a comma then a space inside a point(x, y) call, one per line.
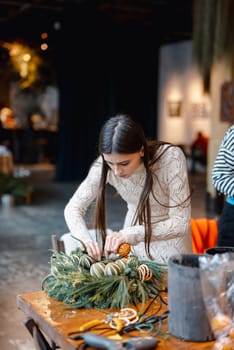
point(105, 55)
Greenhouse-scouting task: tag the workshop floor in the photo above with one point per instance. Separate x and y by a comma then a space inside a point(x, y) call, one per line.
point(25, 234)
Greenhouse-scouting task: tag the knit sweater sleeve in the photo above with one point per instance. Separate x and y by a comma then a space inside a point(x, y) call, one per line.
point(223, 168)
point(76, 208)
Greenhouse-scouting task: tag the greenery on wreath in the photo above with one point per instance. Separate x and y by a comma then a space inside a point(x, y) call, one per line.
point(80, 281)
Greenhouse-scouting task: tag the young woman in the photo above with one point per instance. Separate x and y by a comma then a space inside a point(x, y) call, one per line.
point(223, 181)
point(152, 178)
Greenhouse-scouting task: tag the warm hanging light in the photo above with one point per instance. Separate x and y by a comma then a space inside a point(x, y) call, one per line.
point(44, 35)
point(44, 47)
point(25, 62)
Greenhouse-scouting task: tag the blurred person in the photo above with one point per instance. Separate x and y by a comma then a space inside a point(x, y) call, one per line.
point(199, 149)
point(223, 181)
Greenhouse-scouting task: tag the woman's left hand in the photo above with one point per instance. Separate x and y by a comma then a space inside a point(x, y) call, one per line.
point(113, 241)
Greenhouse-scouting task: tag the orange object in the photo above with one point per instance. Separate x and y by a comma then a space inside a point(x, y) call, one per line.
point(204, 234)
point(124, 249)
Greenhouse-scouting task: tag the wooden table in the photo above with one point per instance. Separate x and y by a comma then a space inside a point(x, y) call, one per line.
point(56, 322)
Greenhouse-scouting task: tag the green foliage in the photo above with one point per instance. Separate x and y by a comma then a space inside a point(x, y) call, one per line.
point(73, 284)
point(16, 186)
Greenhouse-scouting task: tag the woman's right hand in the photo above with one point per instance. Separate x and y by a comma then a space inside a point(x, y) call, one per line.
point(113, 241)
point(93, 250)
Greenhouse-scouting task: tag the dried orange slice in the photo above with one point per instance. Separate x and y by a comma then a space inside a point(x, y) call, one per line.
point(124, 249)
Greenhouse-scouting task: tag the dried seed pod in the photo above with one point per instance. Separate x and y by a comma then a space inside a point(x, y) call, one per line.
point(140, 275)
point(75, 258)
point(149, 276)
point(124, 249)
point(121, 263)
point(144, 272)
point(86, 261)
point(97, 269)
point(112, 269)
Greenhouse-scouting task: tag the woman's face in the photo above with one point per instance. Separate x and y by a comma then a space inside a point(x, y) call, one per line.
point(123, 165)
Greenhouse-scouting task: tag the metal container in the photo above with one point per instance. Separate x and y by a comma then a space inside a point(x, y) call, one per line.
point(187, 318)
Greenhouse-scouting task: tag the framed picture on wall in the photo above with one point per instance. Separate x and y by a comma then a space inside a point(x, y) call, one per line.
point(174, 108)
point(227, 102)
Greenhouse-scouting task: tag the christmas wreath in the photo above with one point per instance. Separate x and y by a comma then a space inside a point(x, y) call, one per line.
point(80, 281)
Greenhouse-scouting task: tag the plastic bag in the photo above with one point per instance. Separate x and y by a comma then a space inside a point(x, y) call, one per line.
point(217, 284)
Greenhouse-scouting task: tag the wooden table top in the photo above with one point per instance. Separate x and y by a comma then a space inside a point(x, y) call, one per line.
point(56, 322)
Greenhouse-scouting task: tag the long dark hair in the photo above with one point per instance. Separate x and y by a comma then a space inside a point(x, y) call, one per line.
point(122, 134)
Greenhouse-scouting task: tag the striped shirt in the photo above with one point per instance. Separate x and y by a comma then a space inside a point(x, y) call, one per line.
point(223, 168)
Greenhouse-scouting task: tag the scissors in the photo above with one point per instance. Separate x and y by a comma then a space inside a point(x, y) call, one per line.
point(116, 321)
point(146, 325)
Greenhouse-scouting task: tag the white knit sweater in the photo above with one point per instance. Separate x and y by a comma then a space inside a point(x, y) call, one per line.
point(171, 226)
